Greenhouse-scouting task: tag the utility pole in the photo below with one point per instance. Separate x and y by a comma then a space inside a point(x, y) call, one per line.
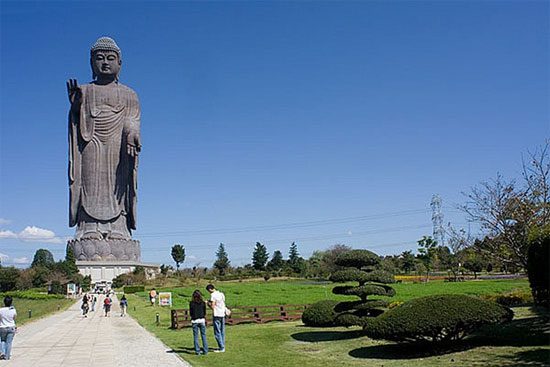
point(437, 220)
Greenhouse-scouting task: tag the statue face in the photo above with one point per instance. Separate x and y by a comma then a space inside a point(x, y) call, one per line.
point(106, 63)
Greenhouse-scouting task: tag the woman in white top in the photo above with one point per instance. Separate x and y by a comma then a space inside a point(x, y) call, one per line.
point(7, 327)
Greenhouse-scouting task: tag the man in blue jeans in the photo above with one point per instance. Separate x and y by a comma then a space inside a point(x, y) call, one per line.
point(7, 327)
point(217, 304)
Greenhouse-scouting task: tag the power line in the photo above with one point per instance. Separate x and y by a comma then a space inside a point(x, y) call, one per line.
point(311, 238)
point(345, 220)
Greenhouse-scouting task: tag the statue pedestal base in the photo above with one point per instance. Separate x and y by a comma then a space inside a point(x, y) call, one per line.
point(88, 249)
point(103, 272)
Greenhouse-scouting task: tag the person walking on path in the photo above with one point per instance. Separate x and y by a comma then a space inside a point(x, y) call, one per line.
point(94, 300)
point(197, 310)
point(107, 305)
point(8, 315)
point(123, 305)
point(85, 306)
point(217, 304)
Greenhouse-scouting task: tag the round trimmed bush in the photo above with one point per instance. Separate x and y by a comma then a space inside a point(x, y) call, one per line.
point(357, 259)
point(436, 318)
point(349, 275)
point(359, 305)
point(364, 290)
point(320, 313)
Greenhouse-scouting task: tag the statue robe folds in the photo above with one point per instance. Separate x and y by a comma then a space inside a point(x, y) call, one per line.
point(102, 175)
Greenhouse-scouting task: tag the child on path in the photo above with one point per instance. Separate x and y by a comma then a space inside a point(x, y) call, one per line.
point(197, 310)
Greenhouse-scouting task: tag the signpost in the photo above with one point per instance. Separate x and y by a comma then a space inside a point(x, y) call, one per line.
point(165, 298)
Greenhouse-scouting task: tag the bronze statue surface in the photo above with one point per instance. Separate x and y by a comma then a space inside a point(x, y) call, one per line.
point(104, 144)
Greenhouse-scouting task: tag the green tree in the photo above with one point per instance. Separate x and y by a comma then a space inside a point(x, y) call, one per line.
point(165, 268)
point(473, 260)
point(222, 262)
point(538, 263)
point(8, 278)
point(427, 253)
point(86, 283)
point(259, 257)
point(408, 261)
point(69, 265)
point(293, 254)
point(276, 263)
point(360, 266)
point(178, 254)
point(295, 261)
point(43, 257)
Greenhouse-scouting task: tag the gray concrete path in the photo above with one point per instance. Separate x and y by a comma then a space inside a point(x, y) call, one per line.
point(68, 339)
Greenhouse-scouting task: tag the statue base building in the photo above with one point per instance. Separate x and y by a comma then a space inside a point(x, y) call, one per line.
point(103, 272)
point(105, 259)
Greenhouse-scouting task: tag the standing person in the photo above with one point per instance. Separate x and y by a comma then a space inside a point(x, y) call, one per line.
point(7, 327)
point(85, 306)
point(123, 305)
point(153, 296)
point(94, 300)
point(217, 304)
point(107, 305)
point(197, 310)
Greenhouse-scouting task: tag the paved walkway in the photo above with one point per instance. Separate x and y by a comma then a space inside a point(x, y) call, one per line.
point(68, 339)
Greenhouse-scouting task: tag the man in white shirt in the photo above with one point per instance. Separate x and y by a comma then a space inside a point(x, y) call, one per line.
point(217, 304)
point(7, 327)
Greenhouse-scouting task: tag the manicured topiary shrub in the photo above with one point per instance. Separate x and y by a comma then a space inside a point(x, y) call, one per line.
point(360, 264)
point(538, 263)
point(320, 314)
point(436, 319)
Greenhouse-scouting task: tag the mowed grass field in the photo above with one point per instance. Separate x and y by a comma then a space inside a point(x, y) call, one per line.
point(525, 341)
point(39, 308)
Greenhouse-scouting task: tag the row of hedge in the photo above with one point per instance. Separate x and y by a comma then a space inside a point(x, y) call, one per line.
point(31, 295)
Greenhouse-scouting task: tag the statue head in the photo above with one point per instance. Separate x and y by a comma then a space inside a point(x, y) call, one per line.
point(105, 59)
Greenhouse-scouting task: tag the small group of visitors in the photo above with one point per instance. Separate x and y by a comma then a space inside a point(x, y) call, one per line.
point(88, 299)
point(7, 327)
point(197, 311)
point(107, 302)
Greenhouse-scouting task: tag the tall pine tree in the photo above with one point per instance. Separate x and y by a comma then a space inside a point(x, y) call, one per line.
point(222, 262)
point(259, 257)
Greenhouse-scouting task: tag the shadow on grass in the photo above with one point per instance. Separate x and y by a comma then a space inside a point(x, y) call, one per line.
point(184, 350)
point(528, 332)
point(535, 357)
point(325, 336)
point(407, 351)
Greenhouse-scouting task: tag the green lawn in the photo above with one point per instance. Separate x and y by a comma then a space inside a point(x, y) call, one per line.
point(305, 292)
point(525, 341)
point(39, 308)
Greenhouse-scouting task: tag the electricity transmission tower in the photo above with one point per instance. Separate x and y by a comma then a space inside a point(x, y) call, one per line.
point(437, 220)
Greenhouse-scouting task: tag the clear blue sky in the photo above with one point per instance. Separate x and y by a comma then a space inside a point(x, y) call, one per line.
point(314, 122)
